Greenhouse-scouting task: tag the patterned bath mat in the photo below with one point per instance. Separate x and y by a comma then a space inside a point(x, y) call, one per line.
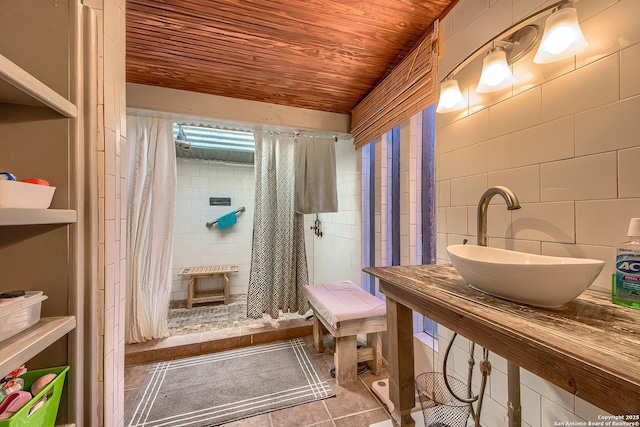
point(223, 387)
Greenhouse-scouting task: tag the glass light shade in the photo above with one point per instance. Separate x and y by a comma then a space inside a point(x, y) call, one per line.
point(496, 73)
point(562, 37)
point(451, 98)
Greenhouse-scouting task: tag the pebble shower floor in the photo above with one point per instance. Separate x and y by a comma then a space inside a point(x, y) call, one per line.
point(202, 318)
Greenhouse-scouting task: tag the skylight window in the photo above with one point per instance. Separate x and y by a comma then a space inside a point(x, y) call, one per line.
point(216, 139)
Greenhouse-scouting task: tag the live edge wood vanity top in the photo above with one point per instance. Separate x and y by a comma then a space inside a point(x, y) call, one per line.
point(589, 347)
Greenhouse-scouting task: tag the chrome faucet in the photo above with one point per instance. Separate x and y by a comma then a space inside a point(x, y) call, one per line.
point(483, 205)
point(513, 371)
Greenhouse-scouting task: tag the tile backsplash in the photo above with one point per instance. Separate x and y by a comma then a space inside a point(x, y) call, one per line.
point(196, 245)
point(564, 138)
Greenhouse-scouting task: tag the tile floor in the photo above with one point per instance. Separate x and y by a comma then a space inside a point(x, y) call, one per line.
point(354, 404)
point(210, 328)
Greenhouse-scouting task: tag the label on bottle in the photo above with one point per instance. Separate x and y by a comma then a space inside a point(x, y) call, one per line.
point(628, 274)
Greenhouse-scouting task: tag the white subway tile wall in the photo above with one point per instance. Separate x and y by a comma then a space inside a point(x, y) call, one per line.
point(381, 206)
point(611, 127)
point(489, 23)
point(588, 87)
point(524, 181)
point(581, 178)
point(112, 208)
point(410, 201)
point(629, 173)
point(629, 65)
point(601, 17)
point(464, 190)
point(458, 47)
point(194, 244)
point(544, 143)
point(470, 130)
point(519, 112)
point(466, 12)
point(456, 220)
point(604, 222)
point(565, 141)
point(337, 255)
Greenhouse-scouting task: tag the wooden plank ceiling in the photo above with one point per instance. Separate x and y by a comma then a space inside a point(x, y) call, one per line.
point(319, 54)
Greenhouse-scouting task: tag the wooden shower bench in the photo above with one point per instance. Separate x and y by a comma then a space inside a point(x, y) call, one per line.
point(346, 310)
point(195, 273)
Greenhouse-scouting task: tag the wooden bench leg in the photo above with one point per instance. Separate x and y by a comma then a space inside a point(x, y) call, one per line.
point(374, 340)
point(346, 359)
point(318, 333)
point(226, 288)
point(190, 291)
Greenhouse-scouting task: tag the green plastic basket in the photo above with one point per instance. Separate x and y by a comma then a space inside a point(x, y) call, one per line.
point(45, 415)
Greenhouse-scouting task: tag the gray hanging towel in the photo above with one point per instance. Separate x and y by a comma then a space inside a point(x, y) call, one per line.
point(316, 190)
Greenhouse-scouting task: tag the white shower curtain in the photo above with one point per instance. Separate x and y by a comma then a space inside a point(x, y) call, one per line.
point(151, 194)
point(278, 257)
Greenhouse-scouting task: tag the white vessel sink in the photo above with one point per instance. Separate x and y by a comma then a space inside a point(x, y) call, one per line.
point(538, 280)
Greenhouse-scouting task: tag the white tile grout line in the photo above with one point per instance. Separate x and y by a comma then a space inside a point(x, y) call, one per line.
point(326, 408)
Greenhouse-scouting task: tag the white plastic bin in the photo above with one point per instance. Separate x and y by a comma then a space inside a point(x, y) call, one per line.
point(18, 314)
point(16, 194)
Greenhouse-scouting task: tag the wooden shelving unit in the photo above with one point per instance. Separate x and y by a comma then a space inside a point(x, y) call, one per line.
point(21, 88)
point(41, 136)
point(37, 216)
point(30, 342)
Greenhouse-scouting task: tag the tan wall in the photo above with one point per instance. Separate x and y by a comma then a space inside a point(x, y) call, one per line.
point(180, 102)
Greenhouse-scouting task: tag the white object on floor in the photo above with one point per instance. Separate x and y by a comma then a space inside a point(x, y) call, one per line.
point(417, 417)
point(381, 389)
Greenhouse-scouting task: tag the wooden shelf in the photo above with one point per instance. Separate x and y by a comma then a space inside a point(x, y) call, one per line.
point(19, 87)
point(18, 349)
point(10, 216)
point(589, 347)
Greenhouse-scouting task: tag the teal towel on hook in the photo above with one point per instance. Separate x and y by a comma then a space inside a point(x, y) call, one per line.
point(226, 221)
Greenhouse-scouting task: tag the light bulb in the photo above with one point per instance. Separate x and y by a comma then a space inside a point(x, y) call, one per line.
point(559, 39)
point(451, 98)
point(496, 74)
point(562, 37)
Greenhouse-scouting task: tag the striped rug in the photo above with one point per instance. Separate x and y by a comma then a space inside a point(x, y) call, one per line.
point(219, 388)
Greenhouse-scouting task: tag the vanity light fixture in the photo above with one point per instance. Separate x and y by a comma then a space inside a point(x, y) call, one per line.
point(451, 98)
point(562, 39)
point(496, 73)
point(562, 36)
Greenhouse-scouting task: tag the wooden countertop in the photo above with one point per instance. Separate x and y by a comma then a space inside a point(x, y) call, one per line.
point(589, 347)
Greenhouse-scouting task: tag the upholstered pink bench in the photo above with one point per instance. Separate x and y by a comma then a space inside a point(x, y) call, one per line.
point(346, 310)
